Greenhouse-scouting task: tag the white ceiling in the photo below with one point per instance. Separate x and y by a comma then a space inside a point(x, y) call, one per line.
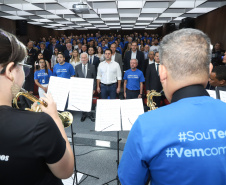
point(106, 14)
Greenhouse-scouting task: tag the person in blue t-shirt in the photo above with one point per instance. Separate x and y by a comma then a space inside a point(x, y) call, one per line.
point(41, 77)
point(182, 143)
point(133, 81)
point(62, 68)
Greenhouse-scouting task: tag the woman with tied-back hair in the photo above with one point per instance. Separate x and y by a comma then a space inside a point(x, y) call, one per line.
point(34, 149)
point(75, 58)
point(42, 77)
point(54, 57)
point(100, 54)
point(36, 66)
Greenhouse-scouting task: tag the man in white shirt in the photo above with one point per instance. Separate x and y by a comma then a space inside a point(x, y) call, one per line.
point(155, 47)
point(108, 74)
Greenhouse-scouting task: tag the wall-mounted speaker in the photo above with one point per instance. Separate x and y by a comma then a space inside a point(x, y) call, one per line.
point(21, 27)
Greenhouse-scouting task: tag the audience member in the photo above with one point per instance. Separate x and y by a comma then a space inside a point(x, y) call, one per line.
point(75, 58)
point(92, 58)
point(86, 70)
point(109, 73)
point(116, 56)
point(133, 81)
point(63, 69)
point(42, 77)
point(100, 54)
point(54, 58)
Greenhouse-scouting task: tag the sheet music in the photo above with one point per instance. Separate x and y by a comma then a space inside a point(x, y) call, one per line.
point(108, 115)
point(81, 94)
point(59, 88)
point(212, 93)
point(130, 110)
point(223, 96)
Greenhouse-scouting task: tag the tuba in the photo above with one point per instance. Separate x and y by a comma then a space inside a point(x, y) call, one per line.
point(150, 102)
point(66, 117)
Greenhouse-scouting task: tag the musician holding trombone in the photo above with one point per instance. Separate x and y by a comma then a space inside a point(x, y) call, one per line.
point(33, 146)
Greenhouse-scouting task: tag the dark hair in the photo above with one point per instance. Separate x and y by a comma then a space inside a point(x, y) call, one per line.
point(60, 53)
point(220, 72)
point(46, 69)
point(108, 50)
point(11, 50)
point(101, 50)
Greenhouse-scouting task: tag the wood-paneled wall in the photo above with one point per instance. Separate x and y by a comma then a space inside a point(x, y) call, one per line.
point(214, 25)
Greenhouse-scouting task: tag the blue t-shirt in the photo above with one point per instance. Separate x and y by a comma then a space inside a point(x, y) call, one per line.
point(42, 76)
point(183, 143)
point(65, 71)
point(119, 50)
point(104, 48)
point(133, 79)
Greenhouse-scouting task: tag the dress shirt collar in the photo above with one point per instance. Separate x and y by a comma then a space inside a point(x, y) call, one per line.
point(189, 91)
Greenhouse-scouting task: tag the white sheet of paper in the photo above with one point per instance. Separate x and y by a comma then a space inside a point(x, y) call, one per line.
point(212, 93)
point(81, 94)
point(223, 96)
point(59, 88)
point(130, 110)
point(108, 115)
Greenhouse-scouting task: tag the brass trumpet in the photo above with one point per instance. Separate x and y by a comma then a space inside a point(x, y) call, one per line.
point(66, 117)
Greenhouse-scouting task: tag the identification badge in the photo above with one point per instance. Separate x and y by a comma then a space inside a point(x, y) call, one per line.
point(43, 81)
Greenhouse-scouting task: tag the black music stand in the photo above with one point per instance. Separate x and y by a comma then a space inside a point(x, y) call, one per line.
point(117, 161)
point(75, 170)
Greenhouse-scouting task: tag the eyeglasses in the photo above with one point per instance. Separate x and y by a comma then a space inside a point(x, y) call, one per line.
point(26, 69)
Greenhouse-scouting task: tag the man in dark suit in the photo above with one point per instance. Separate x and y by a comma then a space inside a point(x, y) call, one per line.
point(116, 56)
point(93, 59)
point(86, 70)
point(148, 61)
point(134, 54)
point(44, 51)
point(153, 80)
point(54, 45)
point(68, 52)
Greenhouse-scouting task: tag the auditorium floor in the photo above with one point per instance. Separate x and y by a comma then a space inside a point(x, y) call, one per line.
point(91, 158)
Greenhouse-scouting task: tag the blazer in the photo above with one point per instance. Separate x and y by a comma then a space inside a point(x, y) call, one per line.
point(152, 79)
point(96, 62)
point(139, 57)
point(67, 56)
point(46, 54)
point(91, 73)
point(58, 46)
point(118, 58)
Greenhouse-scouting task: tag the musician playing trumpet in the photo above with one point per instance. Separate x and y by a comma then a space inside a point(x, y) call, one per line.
point(33, 146)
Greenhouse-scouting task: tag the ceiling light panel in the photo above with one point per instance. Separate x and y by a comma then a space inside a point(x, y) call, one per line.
point(13, 17)
point(25, 6)
point(170, 14)
point(18, 13)
point(131, 4)
point(61, 11)
point(106, 11)
point(201, 10)
point(153, 10)
point(157, 4)
point(104, 5)
point(41, 1)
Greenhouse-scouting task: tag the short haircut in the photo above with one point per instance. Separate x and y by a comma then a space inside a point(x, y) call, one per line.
point(60, 53)
point(84, 54)
point(220, 72)
point(42, 43)
point(108, 50)
point(134, 59)
point(186, 53)
point(134, 42)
